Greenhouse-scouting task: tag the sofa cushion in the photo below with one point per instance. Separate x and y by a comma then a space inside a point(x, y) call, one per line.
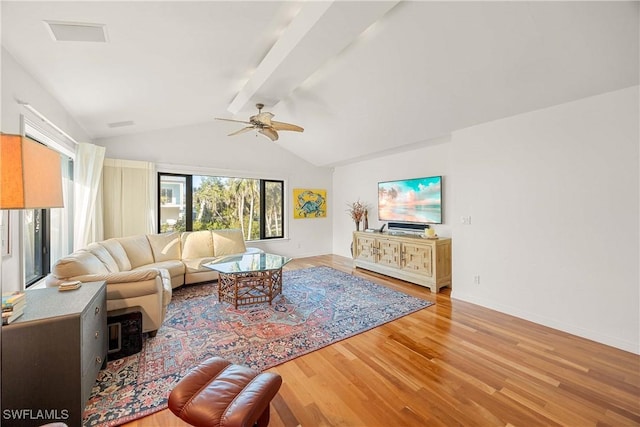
point(131, 290)
point(103, 255)
point(227, 242)
point(118, 253)
point(197, 244)
point(165, 246)
point(195, 265)
point(138, 250)
point(175, 268)
point(79, 263)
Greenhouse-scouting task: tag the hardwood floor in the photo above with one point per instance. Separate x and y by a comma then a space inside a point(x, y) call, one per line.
point(451, 364)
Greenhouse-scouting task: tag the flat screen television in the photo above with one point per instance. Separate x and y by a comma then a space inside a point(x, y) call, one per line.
point(415, 200)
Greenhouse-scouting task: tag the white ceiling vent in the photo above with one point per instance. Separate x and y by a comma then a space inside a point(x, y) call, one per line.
point(121, 124)
point(77, 31)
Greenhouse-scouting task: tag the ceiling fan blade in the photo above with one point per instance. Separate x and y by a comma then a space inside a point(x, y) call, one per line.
point(232, 120)
point(286, 126)
point(243, 130)
point(263, 124)
point(269, 133)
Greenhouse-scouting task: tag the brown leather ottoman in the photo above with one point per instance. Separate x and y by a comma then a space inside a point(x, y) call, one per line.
point(217, 393)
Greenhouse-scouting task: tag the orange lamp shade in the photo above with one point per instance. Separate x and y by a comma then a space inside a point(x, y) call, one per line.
point(30, 174)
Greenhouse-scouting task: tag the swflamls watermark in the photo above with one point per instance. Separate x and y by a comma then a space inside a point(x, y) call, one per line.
point(35, 414)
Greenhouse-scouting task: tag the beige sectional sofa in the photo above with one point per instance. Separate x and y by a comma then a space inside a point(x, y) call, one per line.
point(142, 270)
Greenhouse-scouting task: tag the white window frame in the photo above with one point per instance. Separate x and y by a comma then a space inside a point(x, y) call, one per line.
point(37, 127)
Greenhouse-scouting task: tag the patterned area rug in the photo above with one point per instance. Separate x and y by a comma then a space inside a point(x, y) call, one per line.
point(319, 306)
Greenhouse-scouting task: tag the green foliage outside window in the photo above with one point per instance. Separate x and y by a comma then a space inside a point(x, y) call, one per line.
point(223, 202)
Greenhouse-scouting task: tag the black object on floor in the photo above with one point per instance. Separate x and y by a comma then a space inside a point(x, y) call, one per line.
point(125, 335)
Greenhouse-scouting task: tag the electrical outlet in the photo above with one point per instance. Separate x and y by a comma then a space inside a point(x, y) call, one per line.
point(466, 220)
point(476, 279)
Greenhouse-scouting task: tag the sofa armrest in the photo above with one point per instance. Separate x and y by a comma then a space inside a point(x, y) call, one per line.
point(117, 277)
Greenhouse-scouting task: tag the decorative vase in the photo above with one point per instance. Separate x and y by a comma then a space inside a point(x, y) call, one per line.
point(366, 220)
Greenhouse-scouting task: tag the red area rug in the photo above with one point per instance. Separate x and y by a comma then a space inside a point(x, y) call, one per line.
point(319, 306)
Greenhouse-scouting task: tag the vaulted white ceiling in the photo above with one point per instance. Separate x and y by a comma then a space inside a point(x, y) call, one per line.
point(362, 78)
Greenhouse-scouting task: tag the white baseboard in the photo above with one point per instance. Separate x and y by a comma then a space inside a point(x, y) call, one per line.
point(632, 347)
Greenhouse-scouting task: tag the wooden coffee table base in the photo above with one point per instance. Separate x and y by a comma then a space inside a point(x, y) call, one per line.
point(249, 288)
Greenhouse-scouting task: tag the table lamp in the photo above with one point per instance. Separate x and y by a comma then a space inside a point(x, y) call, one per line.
point(30, 174)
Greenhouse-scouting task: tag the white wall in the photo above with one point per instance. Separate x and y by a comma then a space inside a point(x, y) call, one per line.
point(360, 181)
point(17, 84)
point(553, 195)
point(206, 149)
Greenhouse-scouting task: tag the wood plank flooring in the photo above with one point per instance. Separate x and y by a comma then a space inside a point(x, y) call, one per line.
point(451, 364)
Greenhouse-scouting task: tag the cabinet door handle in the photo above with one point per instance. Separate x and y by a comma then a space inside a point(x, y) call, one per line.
point(97, 334)
point(97, 310)
point(99, 360)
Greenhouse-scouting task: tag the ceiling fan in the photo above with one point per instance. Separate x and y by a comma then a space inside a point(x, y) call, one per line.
point(263, 124)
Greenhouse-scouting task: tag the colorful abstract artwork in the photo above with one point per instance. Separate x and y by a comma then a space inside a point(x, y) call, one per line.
point(309, 203)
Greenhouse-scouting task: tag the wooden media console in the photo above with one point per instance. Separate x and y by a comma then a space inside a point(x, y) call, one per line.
point(414, 258)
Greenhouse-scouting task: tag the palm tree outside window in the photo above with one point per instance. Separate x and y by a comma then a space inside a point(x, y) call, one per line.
point(199, 202)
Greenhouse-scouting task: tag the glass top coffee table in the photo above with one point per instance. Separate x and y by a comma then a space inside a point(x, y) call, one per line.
point(249, 278)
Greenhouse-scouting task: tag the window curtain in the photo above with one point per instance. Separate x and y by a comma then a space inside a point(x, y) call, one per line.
point(129, 193)
point(87, 173)
point(62, 219)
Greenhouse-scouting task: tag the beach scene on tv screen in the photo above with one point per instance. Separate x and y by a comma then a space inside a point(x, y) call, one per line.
point(411, 200)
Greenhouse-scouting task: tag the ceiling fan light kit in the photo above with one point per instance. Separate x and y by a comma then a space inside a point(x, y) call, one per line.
point(263, 124)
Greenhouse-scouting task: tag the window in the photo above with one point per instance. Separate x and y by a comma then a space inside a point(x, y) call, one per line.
point(173, 202)
point(47, 234)
point(36, 245)
point(199, 202)
point(272, 192)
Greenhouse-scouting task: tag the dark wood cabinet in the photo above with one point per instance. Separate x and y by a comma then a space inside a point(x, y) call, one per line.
point(52, 354)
